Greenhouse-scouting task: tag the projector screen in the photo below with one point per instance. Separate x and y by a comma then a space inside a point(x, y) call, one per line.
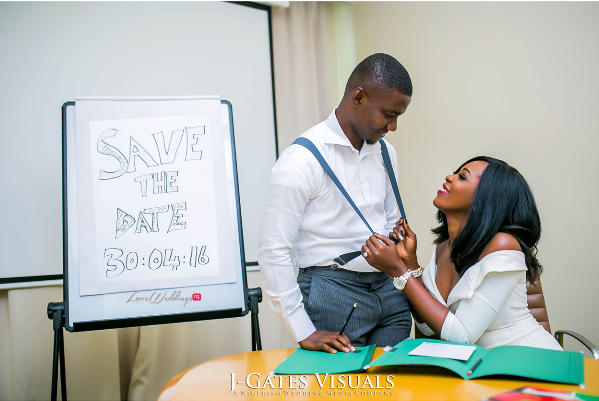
point(55, 52)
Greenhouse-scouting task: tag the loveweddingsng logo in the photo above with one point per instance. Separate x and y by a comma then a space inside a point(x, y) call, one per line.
point(297, 385)
point(158, 297)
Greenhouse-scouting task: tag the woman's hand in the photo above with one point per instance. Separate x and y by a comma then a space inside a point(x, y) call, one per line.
point(381, 253)
point(406, 246)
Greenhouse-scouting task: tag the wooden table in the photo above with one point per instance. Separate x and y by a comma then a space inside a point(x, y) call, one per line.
point(212, 381)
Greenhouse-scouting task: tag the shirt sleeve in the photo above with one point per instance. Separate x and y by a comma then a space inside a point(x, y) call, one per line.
point(473, 316)
point(390, 202)
point(294, 180)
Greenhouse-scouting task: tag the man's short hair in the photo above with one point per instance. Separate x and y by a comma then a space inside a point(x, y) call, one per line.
point(380, 72)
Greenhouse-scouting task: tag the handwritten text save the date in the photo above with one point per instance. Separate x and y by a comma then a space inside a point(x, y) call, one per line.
point(152, 184)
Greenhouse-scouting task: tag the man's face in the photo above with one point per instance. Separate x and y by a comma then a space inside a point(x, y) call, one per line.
point(377, 114)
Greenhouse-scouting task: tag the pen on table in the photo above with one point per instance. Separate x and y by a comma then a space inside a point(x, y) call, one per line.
point(475, 366)
point(347, 320)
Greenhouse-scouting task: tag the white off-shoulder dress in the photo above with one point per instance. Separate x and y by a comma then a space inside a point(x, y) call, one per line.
point(488, 305)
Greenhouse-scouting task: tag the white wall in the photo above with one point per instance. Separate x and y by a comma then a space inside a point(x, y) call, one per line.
point(516, 81)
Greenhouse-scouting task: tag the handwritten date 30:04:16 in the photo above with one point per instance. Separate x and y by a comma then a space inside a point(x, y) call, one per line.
point(155, 260)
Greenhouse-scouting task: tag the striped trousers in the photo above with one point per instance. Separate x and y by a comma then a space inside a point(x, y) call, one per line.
point(382, 316)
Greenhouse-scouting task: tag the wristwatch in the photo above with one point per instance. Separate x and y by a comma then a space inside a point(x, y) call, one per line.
point(401, 281)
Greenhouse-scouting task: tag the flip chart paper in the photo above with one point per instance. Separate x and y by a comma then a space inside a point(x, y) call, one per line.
point(449, 351)
point(155, 198)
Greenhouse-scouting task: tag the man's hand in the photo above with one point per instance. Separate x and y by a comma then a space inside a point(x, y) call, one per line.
point(322, 340)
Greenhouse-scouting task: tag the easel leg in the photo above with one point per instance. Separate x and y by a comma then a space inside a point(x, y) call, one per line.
point(63, 376)
point(255, 295)
point(256, 340)
point(55, 367)
point(56, 313)
point(253, 334)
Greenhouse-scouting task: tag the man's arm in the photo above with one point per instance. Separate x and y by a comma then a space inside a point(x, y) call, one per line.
point(294, 180)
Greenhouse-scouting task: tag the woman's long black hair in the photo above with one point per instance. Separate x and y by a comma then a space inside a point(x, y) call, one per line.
point(503, 202)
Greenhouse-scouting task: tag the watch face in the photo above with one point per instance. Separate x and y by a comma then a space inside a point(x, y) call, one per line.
point(399, 283)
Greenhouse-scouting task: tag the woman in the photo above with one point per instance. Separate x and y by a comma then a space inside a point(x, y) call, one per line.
point(474, 287)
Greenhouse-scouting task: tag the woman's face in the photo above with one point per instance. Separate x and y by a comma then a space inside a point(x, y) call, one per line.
point(457, 193)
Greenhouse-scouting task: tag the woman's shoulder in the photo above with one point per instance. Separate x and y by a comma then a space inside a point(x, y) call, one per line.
point(501, 257)
point(502, 254)
point(501, 242)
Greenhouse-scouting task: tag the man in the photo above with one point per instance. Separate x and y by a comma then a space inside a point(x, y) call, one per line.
point(306, 214)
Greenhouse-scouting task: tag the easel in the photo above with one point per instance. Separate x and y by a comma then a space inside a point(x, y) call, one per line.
point(57, 315)
point(61, 313)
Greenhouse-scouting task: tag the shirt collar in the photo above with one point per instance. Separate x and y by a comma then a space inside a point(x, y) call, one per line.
point(334, 136)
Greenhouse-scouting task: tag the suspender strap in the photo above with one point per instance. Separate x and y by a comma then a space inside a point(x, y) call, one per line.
point(391, 174)
point(346, 257)
point(306, 143)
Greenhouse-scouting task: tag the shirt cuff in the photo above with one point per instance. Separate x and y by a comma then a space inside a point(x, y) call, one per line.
point(447, 324)
point(300, 325)
point(424, 329)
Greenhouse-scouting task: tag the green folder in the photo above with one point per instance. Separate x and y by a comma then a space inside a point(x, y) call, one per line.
point(304, 362)
point(533, 363)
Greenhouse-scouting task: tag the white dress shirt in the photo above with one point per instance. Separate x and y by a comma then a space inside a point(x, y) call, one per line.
point(306, 215)
point(488, 305)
